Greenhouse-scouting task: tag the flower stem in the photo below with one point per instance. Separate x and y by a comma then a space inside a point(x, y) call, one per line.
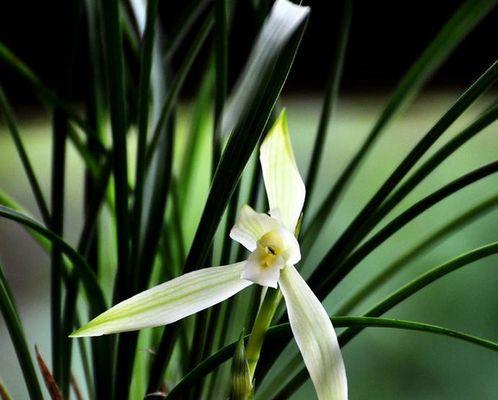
point(261, 325)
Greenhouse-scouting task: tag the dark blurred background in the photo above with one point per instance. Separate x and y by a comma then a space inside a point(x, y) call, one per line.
point(386, 38)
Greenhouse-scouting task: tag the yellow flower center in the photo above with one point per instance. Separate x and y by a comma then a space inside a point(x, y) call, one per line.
point(269, 247)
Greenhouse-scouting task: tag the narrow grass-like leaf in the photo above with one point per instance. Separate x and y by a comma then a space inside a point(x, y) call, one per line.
point(93, 289)
point(397, 223)
point(334, 276)
point(146, 50)
point(45, 93)
point(117, 101)
point(182, 26)
point(357, 227)
point(330, 98)
point(429, 242)
point(59, 133)
point(23, 155)
point(402, 294)
point(248, 113)
point(454, 31)
point(253, 102)
point(177, 84)
point(14, 326)
point(275, 333)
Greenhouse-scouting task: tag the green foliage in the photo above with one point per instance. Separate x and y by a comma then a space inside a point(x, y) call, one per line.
point(143, 229)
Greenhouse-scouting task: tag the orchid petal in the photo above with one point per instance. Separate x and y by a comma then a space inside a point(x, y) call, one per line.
point(250, 226)
point(284, 185)
point(170, 301)
point(315, 337)
point(255, 272)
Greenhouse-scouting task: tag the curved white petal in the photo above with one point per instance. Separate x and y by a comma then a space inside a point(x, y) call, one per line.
point(315, 337)
point(170, 301)
point(284, 185)
point(250, 226)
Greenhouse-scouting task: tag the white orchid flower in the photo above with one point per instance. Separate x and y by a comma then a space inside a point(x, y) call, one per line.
point(274, 252)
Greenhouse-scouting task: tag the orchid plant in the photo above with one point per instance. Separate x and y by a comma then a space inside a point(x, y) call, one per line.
point(192, 171)
point(271, 239)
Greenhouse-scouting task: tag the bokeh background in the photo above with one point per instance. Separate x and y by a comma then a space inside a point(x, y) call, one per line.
point(385, 39)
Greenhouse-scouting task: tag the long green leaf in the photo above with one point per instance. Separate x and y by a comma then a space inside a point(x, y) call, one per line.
point(277, 332)
point(330, 98)
point(429, 242)
point(45, 93)
point(400, 295)
point(397, 223)
point(23, 155)
point(87, 276)
point(247, 115)
point(358, 227)
point(176, 86)
point(453, 32)
point(16, 331)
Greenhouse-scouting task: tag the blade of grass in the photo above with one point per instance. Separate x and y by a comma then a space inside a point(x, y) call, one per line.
point(453, 32)
point(23, 155)
point(396, 298)
point(276, 332)
point(429, 242)
point(16, 331)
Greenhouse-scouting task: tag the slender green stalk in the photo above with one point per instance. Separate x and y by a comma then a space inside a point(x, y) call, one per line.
point(16, 331)
point(396, 298)
point(453, 32)
point(23, 155)
point(260, 328)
